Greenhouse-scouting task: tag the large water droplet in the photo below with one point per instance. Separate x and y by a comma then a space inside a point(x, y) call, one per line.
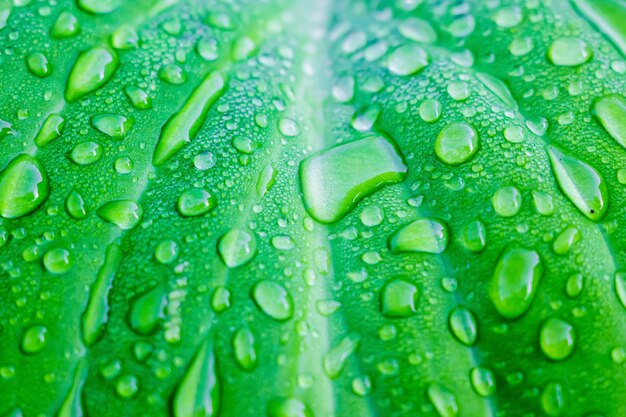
point(483, 381)
point(398, 298)
point(38, 64)
point(24, 186)
point(457, 143)
point(86, 153)
point(113, 125)
point(58, 261)
point(273, 299)
point(443, 400)
point(581, 183)
point(552, 399)
point(569, 51)
point(557, 339)
point(237, 247)
point(147, 310)
point(422, 235)
point(92, 70)
point(50, 130)
point(335, 360)
point(125, 214)
point(334, 180)
point(515, 281)
point(463, 325)
point(566, 240)
point(184, 125)
point(611, 113)
point(475, 236)
point(608, 16)
point(65, 26)
point(507, 201)
point(34, 339)
point(75, 206)
point(407, 60)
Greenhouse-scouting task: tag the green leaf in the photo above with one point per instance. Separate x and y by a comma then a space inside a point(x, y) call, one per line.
point(291, 208)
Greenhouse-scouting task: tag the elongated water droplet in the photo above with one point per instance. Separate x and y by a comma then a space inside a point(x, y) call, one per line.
point(407, 60)
point(552, 401)
point(75, 206)
point(611, 113)
point(463, 325)
point(92, 70)
point(334, 180)
point(475, 236)
point(288, 407)
point(198, 394)
point(51, 129)
point(443, 400)
point(72, 405)
point(99, 6)
point(608, 16)
point(237, 247)
point(266, 180)
point(113, 125)
point(96, 314)
point(569, 52)
point(365, 118)
point(566, 240)
point(515, 281)
point(245, 349)
point(343, 90)
point(335, 360)
point(398, 298)
point(273, 299)
point(581, 183)
point(195, 202)
point(138, 97)
point(417, 30)
point(422, 235)
point(620, 286)
point(125, 214)
point(86, 153)
point(543, 203)
point(166, 252)
point(483, 381)
point(24, 186)
point(457, 143)
point(147, 310)
point(557, 339)
point(183, 126)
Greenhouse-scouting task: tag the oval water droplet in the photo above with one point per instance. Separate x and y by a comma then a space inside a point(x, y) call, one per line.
point(195, 202)
point(427, 235)
point(125, 214)
point(58, 261)
point(273, 299)
point(138, 97)
point(463, 325)
point(38, 64)
point(581, 183)
point(557, 339)
point(474, 236)
point(515, 281)
point(398, 298)
point(92, 70)
point(65, 26)
point(34, 339)
point(457, 143)
point(443, 400)
point(430, 110)
point(407, 60)
point(566, 240)
point(552, 399)
point(166, 252)
point(24, 186)
point(507, 201)
point(86, 153)
point(288, 407)
point(245, 349)
point(113, 125)
point(237, 247)
point(147, 310)
point(125, 37)
point(75, 206)
point(483, 381)
point(569, 52)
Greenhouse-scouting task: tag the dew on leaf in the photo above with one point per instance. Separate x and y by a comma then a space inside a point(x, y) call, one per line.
point(273, 299)
point(427, 235)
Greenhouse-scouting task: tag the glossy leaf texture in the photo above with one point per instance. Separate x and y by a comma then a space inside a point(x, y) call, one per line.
point(293, 208)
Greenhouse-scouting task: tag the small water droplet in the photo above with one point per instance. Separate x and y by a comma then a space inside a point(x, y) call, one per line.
point(34, 339)
point(507, 201)
point(125, 214)
point(166, 252)
point(273, 299)
point(86, 153)
point(195, 202)
point(125, 37)
point(58, 261)
point(65, 26)
point(557, 339)
point(38, 64)
point(457, 143)
point(237, 247)
point(113, 125)
point(463, 325)
point(288, 407)
point(430, 110)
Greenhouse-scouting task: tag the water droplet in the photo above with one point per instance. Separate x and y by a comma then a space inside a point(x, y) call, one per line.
point(266, 180)
point(237, 247)
point(430, 110)
point(611, 113)
point(166, 252)
point(354, 41)
point(243, 48)
point(458, 90)
point(34, 339)
point(99, 6)
point(543, 203)
point(288, 127)
point(498, 88)
point(72, 405)
point(443, 400)
point(138, 98)
point(221, 299)
point(514, 134)
point(418, 30)
point(483, 381)
point(244, 349)
point(336, 179)
point(552, 401)
point(86, 153)
point(457, 143)
point(422, 235)
point(362, 385)
point(569, 51)
point(65, 26)
point(58, 261)
point(184, 125)
point(398, 298)
point(147, 310)
point(96, 314)
point(574, 285)
point(343, 90)
point(38, 64)
point(243, 144)
point(283, 242)
point(124, 165)
point(125, 37)
point(557, 339)
point(515, 281)
point(50, 130)
point(288, 407)
point(113, 125)
point(608, 17)
point(507, 201)
point(508, 16)
point(475, 236)
point(365, 118)
point(92, 70)
point(24, 186)
point(580, 183)
point(620, 286)
point(127, 386)
point(566, 240)
point(273, 299)
point(75, 206)
point(6, 129)
point(463, 325)
point(195, 202)
point(407, 60)
point(372, 216)
point(207, 49)
point(204, 160)
point(125, 214)
point(173, 74)
point(335, 360)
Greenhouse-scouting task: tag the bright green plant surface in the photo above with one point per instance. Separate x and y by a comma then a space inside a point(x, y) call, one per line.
point(312, 208)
